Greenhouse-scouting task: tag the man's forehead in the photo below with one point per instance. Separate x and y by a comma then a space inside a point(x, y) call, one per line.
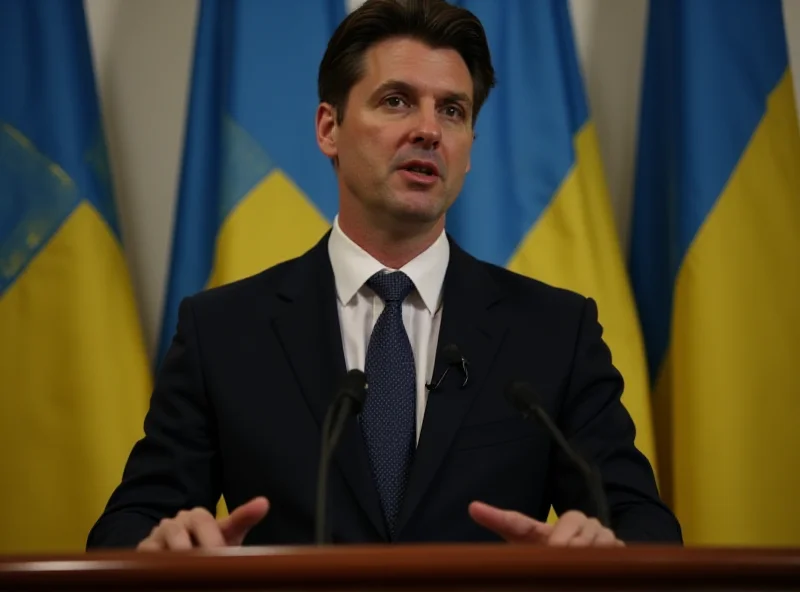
point(416, 66)
point(403, 48)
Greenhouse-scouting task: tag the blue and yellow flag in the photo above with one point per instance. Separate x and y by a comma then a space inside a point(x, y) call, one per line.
point(536, 199)
point(714, 262)
point(255, 189)
point(74, 371)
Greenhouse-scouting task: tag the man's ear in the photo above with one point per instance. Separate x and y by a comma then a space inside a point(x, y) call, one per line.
point(327, 130)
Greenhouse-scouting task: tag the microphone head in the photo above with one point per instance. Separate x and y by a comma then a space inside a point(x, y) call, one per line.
point(451, 354)
point(521, 396)
point(354, 386)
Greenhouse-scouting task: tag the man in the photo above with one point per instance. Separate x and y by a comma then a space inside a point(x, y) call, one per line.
point(253, 367)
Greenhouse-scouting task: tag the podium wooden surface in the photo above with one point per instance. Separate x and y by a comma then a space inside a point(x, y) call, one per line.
point(426, 568)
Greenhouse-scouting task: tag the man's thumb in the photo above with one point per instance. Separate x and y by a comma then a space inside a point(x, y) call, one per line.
point(512, 526)
point(236, 526)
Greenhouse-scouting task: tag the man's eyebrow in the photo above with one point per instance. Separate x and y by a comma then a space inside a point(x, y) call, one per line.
point(405, 87)
point(458, 97)
point(393, 85)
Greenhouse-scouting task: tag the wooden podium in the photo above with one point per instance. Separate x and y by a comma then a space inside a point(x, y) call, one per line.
point(426, 568)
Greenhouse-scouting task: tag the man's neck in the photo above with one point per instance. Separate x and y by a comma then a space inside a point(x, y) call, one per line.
point(391, 248)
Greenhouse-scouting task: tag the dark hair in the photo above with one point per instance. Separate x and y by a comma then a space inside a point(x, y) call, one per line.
point(434, 22)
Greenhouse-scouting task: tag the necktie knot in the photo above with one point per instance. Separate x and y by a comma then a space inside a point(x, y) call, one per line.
point(391, 287)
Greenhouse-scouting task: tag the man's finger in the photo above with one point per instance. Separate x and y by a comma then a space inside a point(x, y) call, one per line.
point(512, 526)
point(606, 538)
point(236, 526)
point(585, 538)
point(205, 530)
point(569, 526)
point(175, 536)
point(150, 544)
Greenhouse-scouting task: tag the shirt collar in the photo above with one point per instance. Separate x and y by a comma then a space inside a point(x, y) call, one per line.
point(353, 266)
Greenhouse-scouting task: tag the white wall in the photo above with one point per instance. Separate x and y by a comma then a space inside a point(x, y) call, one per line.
point(143, 53)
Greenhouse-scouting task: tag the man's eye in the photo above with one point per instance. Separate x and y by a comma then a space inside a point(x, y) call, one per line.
point(395, 101)
point(454, 111)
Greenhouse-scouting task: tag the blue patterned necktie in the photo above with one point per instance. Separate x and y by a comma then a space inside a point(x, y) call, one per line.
point(388, 420)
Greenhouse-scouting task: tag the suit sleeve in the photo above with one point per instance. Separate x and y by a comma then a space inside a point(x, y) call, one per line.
point(176, 464)
point(598, 426)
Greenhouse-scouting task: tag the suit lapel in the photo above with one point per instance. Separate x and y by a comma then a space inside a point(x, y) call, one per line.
point(467, 321)
point(309, 332)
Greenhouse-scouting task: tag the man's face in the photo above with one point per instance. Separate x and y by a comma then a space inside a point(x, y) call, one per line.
point(403, 147)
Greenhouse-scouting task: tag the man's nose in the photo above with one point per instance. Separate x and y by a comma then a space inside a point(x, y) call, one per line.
point(427, 131)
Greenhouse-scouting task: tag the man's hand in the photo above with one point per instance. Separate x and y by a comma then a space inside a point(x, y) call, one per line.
point(573, 529)
point(197, 528)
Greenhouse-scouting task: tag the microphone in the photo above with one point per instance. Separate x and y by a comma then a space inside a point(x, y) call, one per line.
point(348, 401)
point(452, 357)
point(522, 396)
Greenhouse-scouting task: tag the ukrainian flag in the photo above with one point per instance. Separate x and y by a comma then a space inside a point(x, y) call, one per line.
point(255, 190)
point(73, 365)
point(714, 261)
point(536, 199)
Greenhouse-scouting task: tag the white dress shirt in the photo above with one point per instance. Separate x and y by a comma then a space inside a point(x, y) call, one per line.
point(359, 307)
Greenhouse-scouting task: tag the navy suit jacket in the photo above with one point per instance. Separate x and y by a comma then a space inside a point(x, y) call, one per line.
point(241, 395)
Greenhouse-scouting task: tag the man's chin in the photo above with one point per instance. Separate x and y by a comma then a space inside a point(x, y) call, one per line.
point(417, 216)
point(419, 208)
